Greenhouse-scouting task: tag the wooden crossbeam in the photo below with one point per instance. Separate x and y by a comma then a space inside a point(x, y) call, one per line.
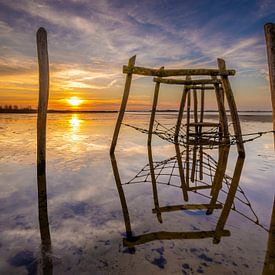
point(174, 72)
point(186, 82)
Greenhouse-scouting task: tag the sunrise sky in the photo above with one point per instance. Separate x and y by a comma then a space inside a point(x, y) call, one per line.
point(90, 40)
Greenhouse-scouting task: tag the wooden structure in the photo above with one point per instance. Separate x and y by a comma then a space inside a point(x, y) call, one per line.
point(217, 80)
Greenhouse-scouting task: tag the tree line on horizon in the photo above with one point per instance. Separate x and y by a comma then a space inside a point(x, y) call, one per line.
point(15, 109)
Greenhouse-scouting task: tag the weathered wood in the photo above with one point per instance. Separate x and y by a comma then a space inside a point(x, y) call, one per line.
point(181, 173)
point(187, 137)
point(222, 111)
point(186, 82)
point(269, 263)
point(230, 196)
point(126, 92)
point(180, 115)
point(233, 108)
point(174, 72)
point(154, 182)
point(269, 29)
point(219, 176)
point(200, 87)
point(122, 198)
point(171, 208)
point(43, 63)
point(194, 160)
point(164, 235)
point(200, 131)
point(153, 111)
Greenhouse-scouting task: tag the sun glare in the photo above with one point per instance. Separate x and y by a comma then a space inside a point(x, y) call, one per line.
point(74, 101)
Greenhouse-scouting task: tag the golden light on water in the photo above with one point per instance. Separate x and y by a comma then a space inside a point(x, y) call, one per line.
point(75, 101)
point(75, 121)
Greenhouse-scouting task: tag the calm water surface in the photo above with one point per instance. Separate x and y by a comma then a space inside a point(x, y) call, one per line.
point(86, 221)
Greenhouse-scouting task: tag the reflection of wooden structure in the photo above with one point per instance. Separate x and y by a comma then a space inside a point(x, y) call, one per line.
point(216, 234)
point(217, 80)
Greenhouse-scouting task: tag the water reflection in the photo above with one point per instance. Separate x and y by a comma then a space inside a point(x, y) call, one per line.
point(47, 265)
point(75, 122)
point(213, 182)
point(75, 127)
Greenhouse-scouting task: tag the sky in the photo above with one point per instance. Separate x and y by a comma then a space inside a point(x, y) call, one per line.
point(90, 40)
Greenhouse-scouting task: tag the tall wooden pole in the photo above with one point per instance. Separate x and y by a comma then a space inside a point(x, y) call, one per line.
point(269, 29)
point(131, 64)
point(43, 62)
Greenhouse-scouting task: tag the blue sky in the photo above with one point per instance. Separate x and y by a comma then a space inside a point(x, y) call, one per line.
point(89, 41)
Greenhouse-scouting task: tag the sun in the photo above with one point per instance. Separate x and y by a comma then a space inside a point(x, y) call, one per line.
point(74, 101)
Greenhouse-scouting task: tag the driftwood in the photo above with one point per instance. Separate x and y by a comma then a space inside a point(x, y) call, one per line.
point(186, 82)
point(174, 72)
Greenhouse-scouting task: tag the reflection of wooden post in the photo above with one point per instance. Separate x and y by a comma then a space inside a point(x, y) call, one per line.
point(270, 45)
point(269, 263)
point(154, 183)
point(181, 172)
point(230, 197)
point(43, 62)
point(123, 202)
point(131, 63)
point(232, 106)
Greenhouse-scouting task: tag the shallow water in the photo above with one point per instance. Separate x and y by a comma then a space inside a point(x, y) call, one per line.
point(86, 221)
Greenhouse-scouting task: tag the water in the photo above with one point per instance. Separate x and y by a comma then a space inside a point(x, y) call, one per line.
point(86, 221)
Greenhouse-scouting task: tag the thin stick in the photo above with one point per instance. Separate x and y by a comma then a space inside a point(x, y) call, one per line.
point(128, 81)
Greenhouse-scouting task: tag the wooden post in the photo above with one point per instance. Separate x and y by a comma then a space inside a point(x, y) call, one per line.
point(187, 137)
point(269, 29)
point(43, 62)
point(233, 108)
point(131, 64)
point(153, 111)
point(200, 132)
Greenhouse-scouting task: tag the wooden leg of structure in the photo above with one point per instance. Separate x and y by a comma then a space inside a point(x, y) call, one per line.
point(187, 137)
point(233, 108)
point(131, 64)
point(200, 133)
